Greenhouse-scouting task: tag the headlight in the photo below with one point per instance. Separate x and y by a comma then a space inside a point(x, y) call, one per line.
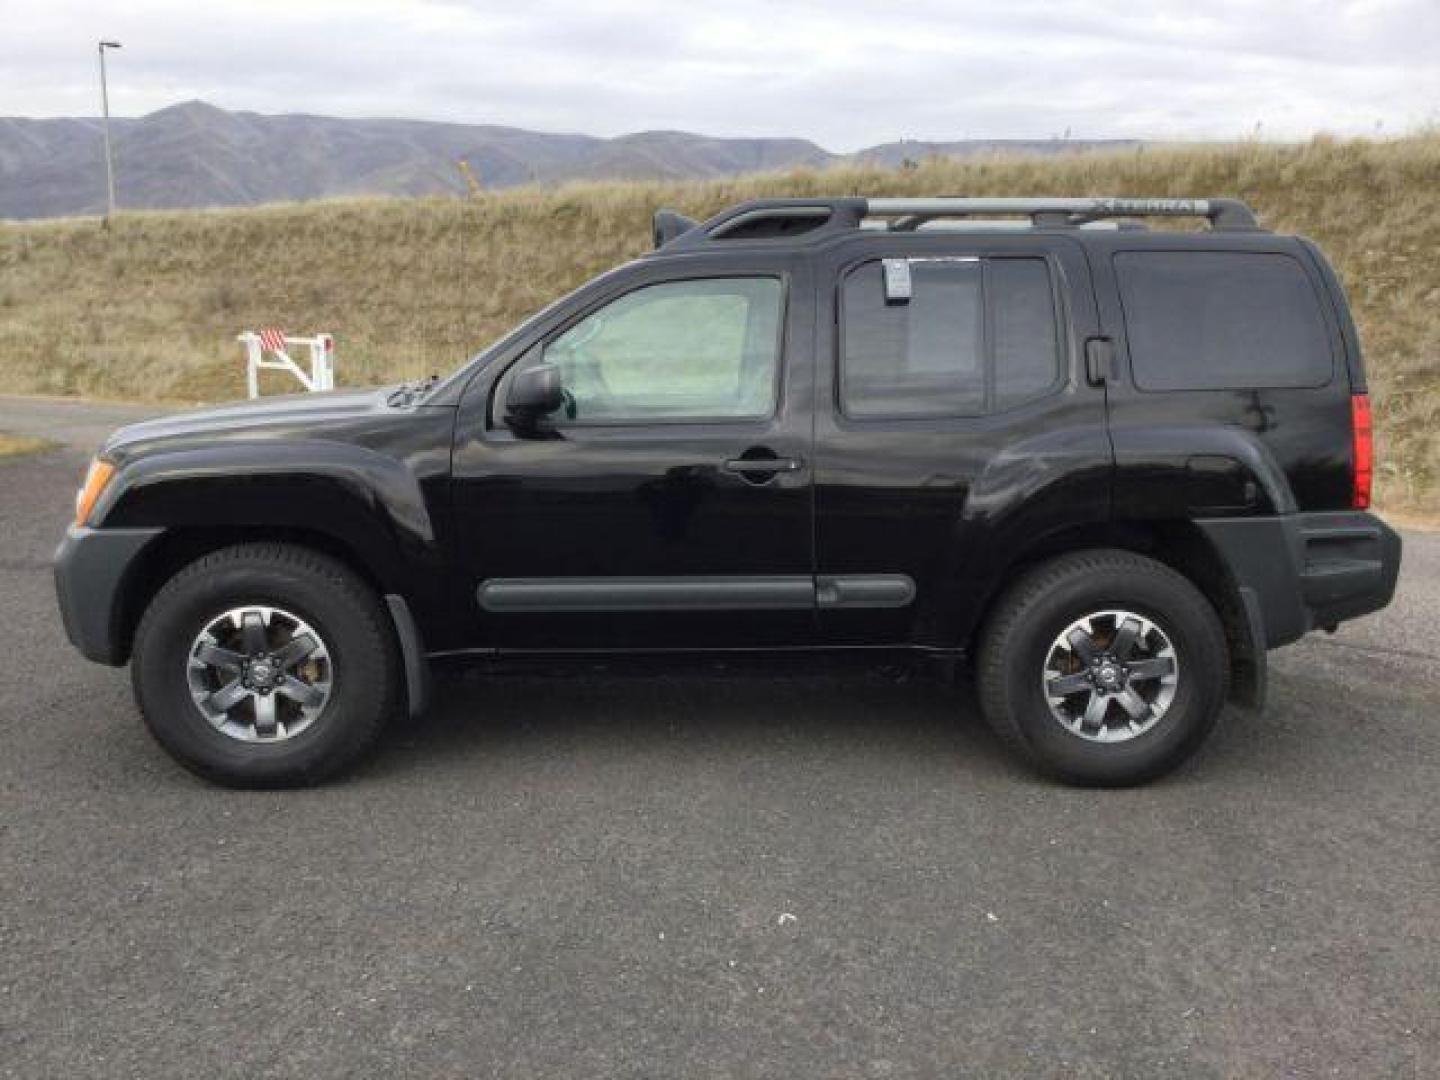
point(96, 478)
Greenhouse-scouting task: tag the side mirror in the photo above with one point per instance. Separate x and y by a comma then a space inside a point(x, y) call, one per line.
point(534, 393)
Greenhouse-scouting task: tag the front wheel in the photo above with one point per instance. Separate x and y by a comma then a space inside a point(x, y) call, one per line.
point(265, 665)
point(1104, 668)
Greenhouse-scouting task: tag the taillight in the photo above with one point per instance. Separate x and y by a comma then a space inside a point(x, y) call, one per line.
point(1363, 436)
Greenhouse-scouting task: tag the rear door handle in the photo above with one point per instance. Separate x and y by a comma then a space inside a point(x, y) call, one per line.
point(1099, 360)
point(762, 466)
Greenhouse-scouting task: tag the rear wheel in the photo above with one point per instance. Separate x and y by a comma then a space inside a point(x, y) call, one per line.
point(265, 665)
point(1103, 667)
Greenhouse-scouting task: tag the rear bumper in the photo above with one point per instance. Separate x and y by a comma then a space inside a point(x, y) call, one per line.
point(92, 567)
point(1300, 572)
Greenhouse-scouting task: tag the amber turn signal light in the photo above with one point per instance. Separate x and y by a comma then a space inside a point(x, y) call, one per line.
point(96, 478)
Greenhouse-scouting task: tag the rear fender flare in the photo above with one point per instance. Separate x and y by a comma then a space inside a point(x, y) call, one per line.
point(1160, 470)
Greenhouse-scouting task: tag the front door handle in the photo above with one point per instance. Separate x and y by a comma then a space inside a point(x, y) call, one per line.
point(762, 467)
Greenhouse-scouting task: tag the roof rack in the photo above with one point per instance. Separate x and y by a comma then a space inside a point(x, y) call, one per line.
point(1224, 215)
point(764, 219)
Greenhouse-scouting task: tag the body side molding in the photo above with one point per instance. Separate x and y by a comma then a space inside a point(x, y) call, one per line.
point(768, 592)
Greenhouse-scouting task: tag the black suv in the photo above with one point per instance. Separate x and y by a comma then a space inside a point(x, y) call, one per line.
point(1106, 467)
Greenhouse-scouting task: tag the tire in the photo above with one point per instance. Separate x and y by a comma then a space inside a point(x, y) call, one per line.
point(350, 679)
point(1020, 658)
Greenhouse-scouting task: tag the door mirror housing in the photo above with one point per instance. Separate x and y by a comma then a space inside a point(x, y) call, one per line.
point(534, 393)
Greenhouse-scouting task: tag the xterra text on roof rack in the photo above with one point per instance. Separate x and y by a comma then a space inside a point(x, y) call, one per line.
point(1106, 467)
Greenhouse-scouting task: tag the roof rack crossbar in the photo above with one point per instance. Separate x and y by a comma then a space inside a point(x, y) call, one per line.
point(1223, 214)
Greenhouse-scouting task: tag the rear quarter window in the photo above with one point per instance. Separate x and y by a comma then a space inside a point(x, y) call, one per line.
point(1211, 320)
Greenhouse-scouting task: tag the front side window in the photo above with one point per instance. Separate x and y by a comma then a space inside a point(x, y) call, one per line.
point(703, 349)
point(972, 336)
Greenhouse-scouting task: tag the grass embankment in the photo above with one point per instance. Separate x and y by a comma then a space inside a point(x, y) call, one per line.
point(149, 308)
point(20, 445)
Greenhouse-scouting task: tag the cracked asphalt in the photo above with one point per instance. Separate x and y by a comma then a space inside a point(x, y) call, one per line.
point(715, 872)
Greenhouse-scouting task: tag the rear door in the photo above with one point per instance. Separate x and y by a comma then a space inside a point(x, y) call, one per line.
point(954, 426)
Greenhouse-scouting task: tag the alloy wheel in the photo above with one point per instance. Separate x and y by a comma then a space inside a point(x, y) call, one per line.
point(259, 674)
point(1110, 676)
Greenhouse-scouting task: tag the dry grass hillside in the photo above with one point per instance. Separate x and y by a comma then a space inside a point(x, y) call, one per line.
point(18, 445)
point(149, 308)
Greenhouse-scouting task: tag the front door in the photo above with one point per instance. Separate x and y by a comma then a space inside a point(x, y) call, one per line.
point(667, 504)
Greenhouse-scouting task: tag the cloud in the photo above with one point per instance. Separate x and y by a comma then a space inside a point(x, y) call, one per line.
point(843, 72)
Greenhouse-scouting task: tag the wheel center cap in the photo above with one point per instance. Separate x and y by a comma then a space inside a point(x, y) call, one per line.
point(1109, 676)
point(262, 671)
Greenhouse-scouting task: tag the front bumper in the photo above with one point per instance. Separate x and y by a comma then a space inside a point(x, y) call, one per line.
point(1300, 572)
point(92, 569)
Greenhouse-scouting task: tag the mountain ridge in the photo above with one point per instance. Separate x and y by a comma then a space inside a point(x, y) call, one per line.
point(195, 155)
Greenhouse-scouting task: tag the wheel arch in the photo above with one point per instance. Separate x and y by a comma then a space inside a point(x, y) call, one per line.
point(178, 547)
point(1176, 543)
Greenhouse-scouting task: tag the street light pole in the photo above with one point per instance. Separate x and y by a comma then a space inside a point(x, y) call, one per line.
point(105, 106)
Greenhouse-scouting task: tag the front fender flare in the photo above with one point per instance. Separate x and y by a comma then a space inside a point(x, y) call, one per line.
point(368, 503)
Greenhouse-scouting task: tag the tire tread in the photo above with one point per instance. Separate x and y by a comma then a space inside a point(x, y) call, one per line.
point(1015, 607)
point(314, 565)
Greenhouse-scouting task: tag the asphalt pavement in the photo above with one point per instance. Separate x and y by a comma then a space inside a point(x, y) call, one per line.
point(717, 873)
point(81, 424)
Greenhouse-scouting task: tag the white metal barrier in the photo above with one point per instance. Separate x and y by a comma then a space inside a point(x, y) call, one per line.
point(321, 375)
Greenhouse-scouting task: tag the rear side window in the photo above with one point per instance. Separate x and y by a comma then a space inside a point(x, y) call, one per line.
point(1222, 321)
point(1024, 344)
point(975, 336)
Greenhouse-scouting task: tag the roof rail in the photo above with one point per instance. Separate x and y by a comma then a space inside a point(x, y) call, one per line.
point(1225, 215)
point(772, 219)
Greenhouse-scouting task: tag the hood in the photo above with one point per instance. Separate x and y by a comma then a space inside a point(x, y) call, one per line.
point(287, 416)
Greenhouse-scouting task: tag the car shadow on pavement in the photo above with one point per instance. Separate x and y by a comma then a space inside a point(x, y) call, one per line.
point(867, 719)
point(736, 713)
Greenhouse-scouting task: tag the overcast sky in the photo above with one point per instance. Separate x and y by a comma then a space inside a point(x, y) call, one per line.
point(845, 73)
